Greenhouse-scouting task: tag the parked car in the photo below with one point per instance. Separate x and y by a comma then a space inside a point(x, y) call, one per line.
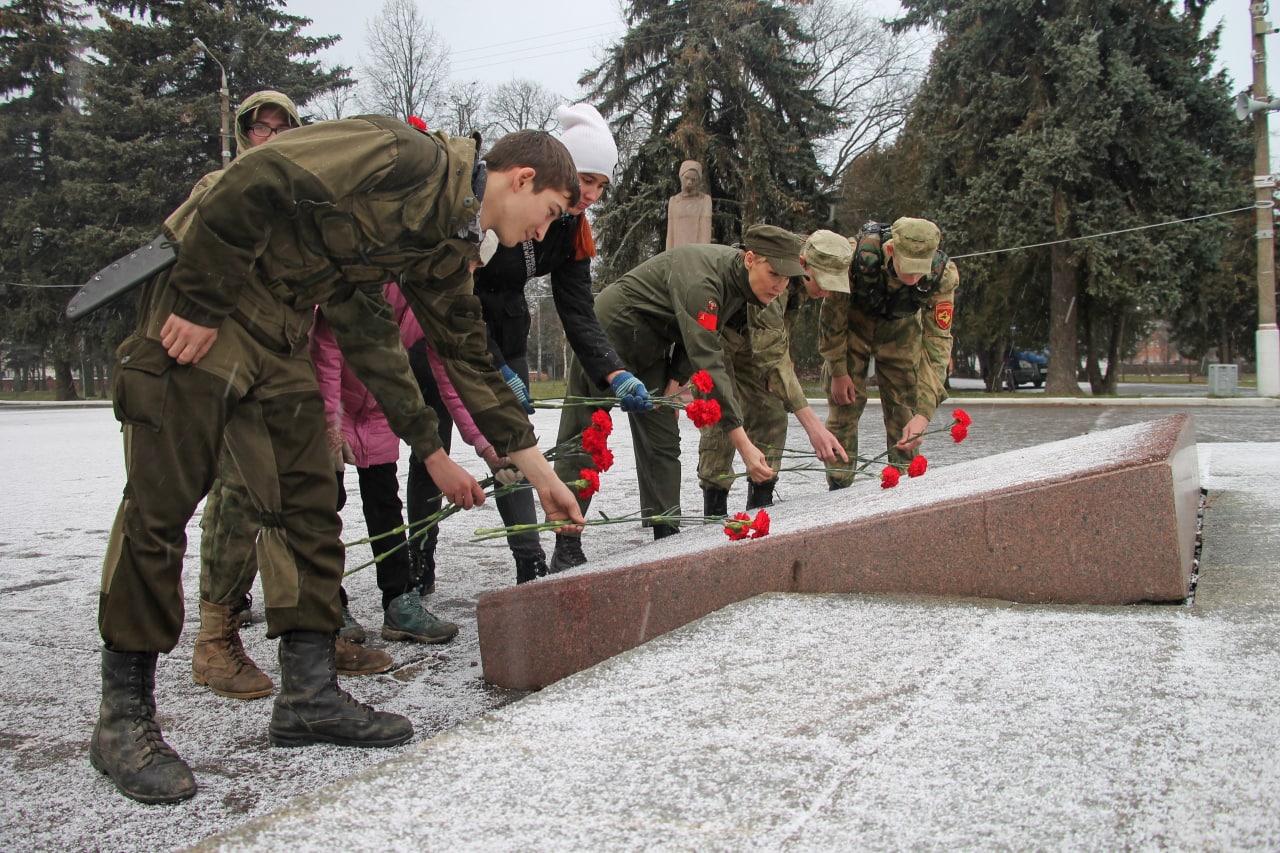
point(1025, 368)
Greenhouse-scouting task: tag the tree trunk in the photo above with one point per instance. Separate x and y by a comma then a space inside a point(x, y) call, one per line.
point(1064, 285)
point(1108, 384)
point(64, 386)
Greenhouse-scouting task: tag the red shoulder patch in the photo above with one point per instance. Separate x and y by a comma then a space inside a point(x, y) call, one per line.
point(707, 321)
point(943, 313)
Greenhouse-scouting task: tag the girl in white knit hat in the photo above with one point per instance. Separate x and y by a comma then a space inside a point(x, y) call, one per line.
point(564, 253)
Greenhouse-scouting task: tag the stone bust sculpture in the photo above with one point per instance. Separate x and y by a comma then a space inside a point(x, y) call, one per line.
point(689, 211)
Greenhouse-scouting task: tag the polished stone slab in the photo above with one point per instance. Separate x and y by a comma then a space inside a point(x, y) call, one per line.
point(1104, 518)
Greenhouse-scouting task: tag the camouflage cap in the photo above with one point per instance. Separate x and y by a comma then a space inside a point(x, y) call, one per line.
point(914, 242)
point(778, 246)
point(827, 255)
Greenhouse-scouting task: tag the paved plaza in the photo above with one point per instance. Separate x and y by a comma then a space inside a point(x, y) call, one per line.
point(783, 722)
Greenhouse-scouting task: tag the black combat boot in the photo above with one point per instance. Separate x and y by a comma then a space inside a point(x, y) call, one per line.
point(715, 502)
point(127, 745)
point(312, 708)
point(567, 554)
point(528, 568)
point(760, 495)
point(662, 531)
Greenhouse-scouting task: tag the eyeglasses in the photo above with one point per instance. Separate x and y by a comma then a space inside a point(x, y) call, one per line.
point(261, 130)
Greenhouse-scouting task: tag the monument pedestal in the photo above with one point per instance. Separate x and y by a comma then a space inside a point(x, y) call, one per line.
point(1104, 518)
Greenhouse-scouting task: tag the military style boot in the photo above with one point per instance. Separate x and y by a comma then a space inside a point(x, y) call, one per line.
point(351, 631)
point(662, 531)
point(351, 659)
point(406, 619)
point(127, 745)
point(312, 708)
point(528, 568)
point(220, 661)
point(715, 502)
point(760, 494)
point(567, 554)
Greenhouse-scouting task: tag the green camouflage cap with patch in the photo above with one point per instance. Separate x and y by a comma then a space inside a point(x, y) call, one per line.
point(778, 246)
point(827, 255)
point(914, 242)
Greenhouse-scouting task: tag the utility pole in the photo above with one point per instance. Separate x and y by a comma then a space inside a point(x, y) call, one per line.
point(1264, 182)
point(225, 107)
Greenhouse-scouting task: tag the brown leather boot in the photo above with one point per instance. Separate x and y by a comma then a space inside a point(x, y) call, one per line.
point(220, 661)
point(352, 659)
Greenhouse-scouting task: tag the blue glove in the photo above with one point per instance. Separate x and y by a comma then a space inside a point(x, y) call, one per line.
point(631, 393)
point(516, 384)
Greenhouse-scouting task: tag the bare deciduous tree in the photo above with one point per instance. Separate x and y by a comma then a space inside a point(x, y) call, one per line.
point(521, 105)
point(868, 74)
point(405, 65)
point(332, 103)
point(461, 110)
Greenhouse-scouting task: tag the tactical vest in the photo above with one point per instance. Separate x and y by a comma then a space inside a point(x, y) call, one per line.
point(869, 279)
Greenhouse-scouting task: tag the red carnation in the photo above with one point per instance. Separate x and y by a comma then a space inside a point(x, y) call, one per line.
point(959, 432)
point(602, 459)
point(592, 483)
point(917, 467)
point(738, 527)
point(962, 417)
point(702, 381)
point(418, 123)
point(760, 525)
point(602, 421)
point(594, 440)
point(703, 413)
point(889, 477)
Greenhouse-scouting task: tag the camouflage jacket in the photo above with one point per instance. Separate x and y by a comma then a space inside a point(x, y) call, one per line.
point(682, 298)
point(924, 312)
point(770, 330)
point(325, 215)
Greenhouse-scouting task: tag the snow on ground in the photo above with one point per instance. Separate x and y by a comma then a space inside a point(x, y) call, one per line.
point(62, 481)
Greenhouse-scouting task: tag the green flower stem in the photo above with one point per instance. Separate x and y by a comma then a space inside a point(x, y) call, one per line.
point(661, 518)
point(418, 530)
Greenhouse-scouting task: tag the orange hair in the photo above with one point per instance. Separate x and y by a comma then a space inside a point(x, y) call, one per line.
point(584, 244)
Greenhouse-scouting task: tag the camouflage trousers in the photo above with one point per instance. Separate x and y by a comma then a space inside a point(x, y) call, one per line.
point(175, 418)
point(895, 347)
point(764, 418)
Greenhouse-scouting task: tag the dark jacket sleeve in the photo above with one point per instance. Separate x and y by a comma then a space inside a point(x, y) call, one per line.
point(453, 323)
point(575, 303)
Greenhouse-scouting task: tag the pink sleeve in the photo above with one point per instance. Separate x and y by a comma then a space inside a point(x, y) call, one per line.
point(410, 331)
point(327, 359)
point(461, 417)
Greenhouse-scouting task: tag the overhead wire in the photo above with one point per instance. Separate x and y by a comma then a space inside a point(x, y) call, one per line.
point(1104, 233)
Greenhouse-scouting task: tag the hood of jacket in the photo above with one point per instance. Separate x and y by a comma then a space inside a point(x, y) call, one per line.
point(247, 114)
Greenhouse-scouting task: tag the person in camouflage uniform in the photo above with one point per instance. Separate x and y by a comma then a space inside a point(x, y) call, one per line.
point(898, 312)
point(235, 510)
point(764, 379)
point(324, 215)
point(682, 299)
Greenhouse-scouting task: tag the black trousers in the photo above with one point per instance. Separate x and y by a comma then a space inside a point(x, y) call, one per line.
point(383, 513)
point(423, 496)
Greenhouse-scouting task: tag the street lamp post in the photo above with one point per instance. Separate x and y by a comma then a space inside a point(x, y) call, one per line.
point(225, 107)
point(1264, 182)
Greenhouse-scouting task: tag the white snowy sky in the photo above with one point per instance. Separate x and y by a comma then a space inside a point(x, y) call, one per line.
point(553, 47)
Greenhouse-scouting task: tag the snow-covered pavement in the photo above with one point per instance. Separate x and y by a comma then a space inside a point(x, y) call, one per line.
point(850, 721)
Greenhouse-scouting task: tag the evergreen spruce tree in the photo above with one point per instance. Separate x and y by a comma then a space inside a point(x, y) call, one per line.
point(1051, 121)
point(38, 61)
point(148, 127)
point(719, 82)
